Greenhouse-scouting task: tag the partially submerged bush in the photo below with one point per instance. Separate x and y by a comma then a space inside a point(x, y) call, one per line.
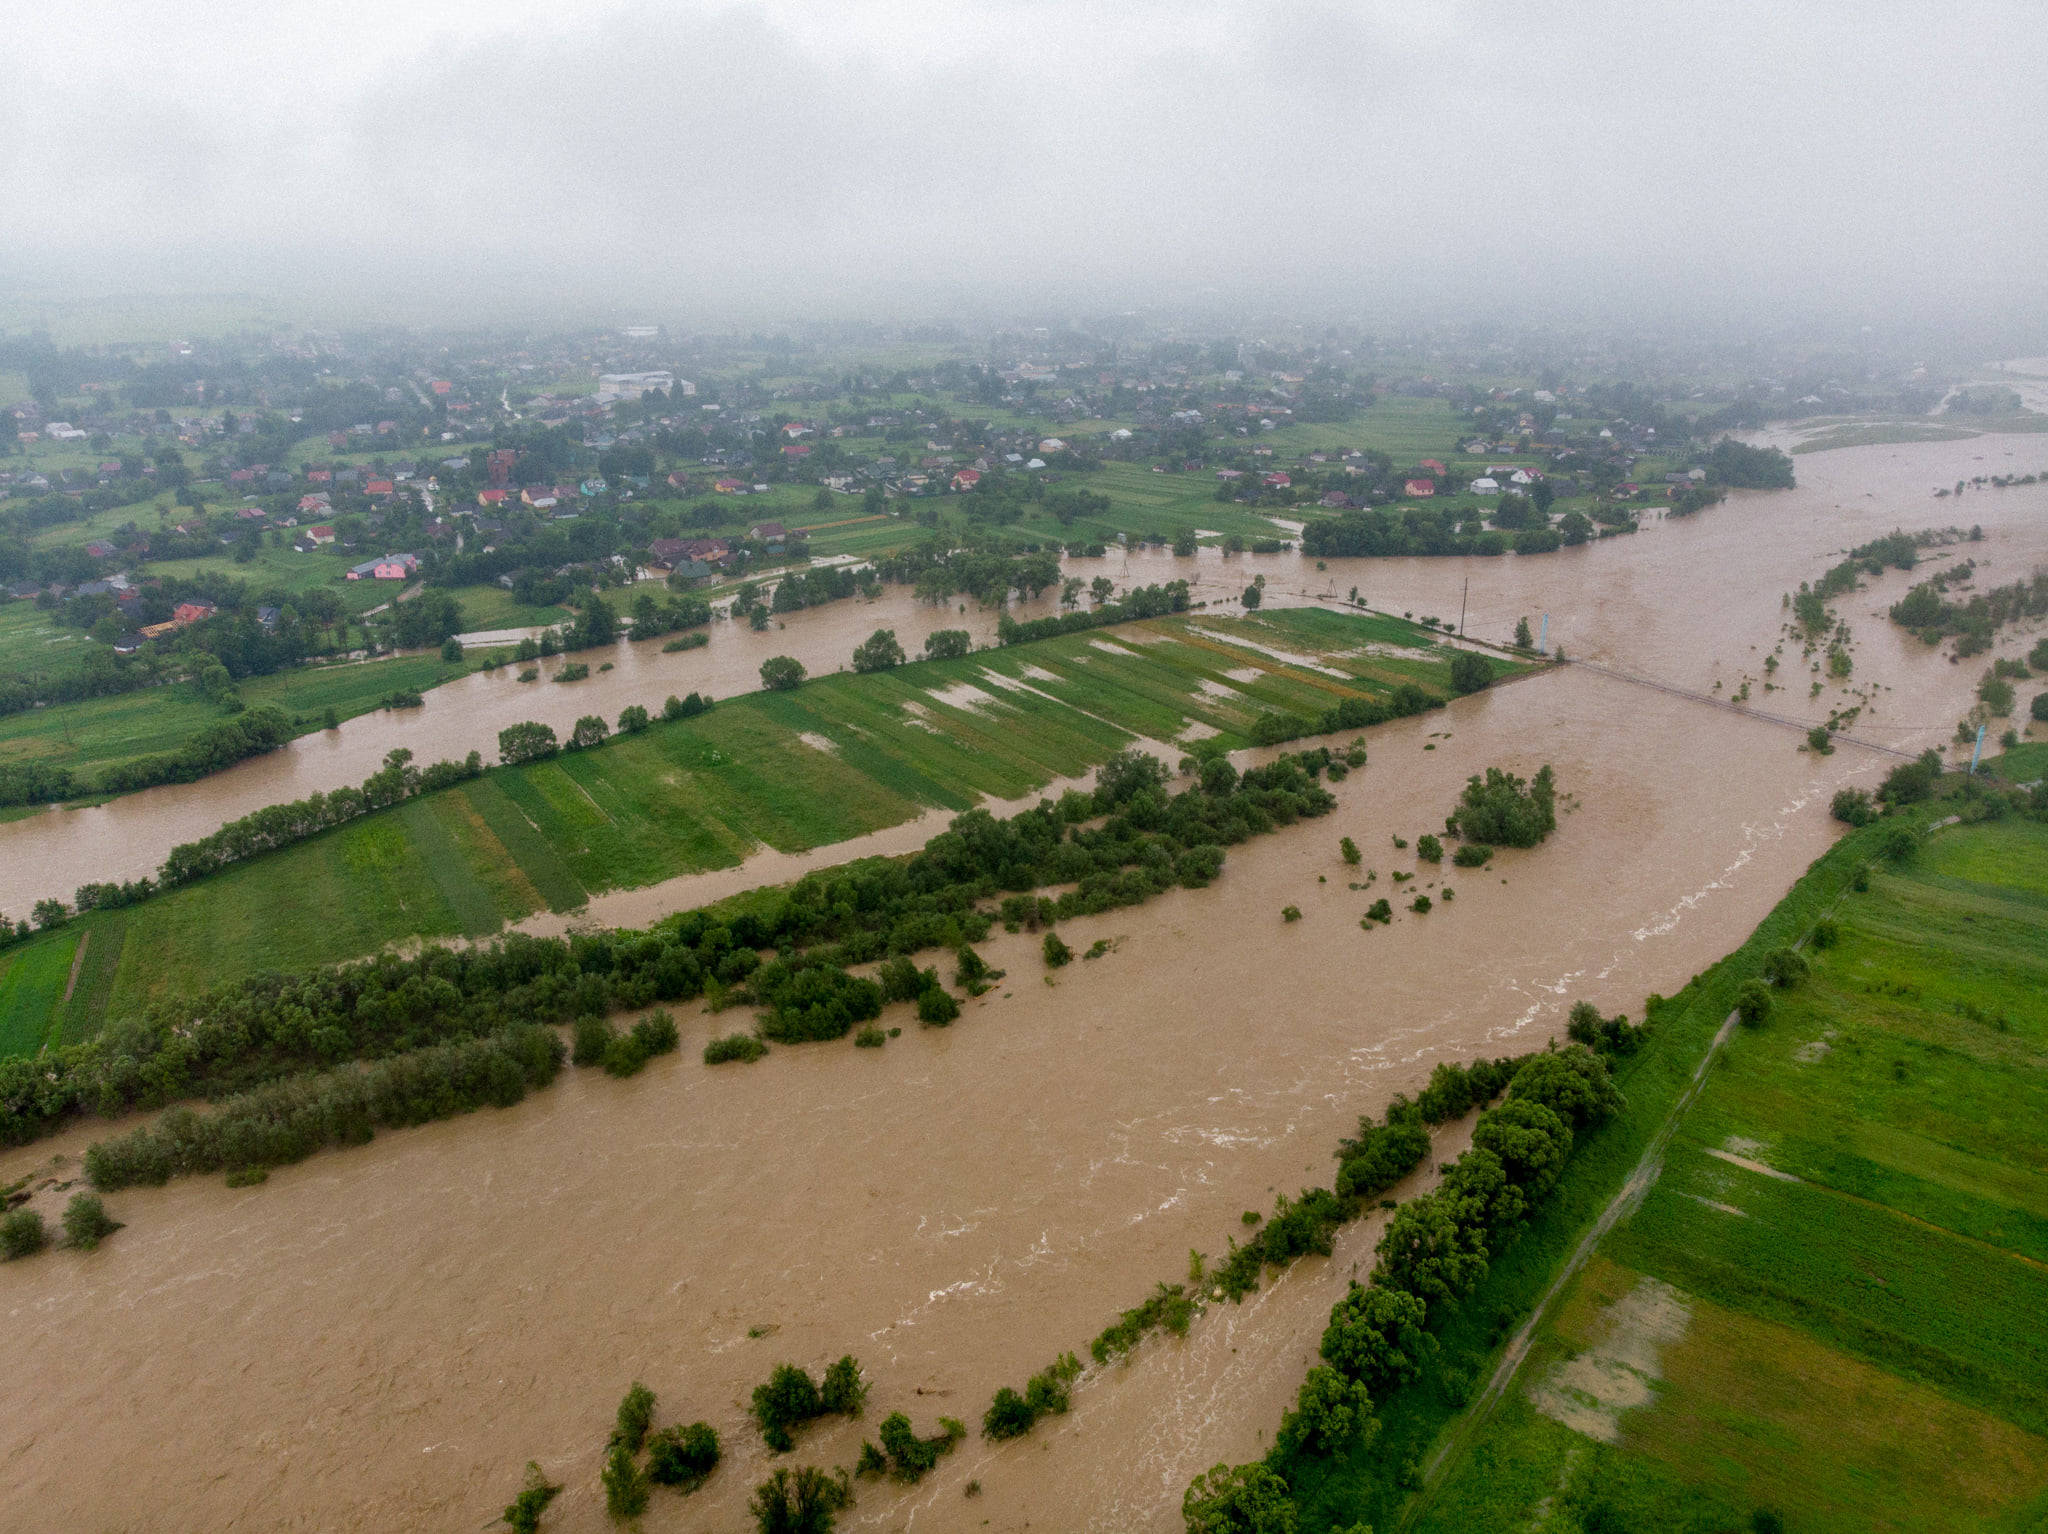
point(734, 1046)
point(799, 1501)
point(683, 1456)
point(523, 1512)
point(22, 1234)
point(625, 1485)
point(911, 1456)
point(635, 1417)
point(86, 1221)
point(1472, 855)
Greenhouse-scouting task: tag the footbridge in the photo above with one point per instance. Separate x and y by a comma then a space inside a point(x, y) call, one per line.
point(1803, 726)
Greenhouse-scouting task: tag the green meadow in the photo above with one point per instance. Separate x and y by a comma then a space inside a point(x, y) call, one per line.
point(96, 732)
point(1846, 1253)
point(842, 756)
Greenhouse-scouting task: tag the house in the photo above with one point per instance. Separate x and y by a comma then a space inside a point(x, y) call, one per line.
point(1229, 474)
point(391, 567)
point(1486, 484)
point(728, 486)
point(767, 532)
point(966, 479)
point(268, 616)
point(678, 480)
point(320, 476)
point(378, 487)
point(1277, 480)
point(158, 630)
point(191, 612)
point(1336, 500)
point(1052, 445)
point(1522, 477)
point(321, 534)
point(99, 548)
point(315, 502)
point(1419, 487)
point(690, 570)
point(1433, 466)
point(796, 450)
point(796, 429)
point(490, 497)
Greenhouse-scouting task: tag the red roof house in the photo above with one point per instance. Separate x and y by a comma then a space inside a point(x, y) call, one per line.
point(1420, 487)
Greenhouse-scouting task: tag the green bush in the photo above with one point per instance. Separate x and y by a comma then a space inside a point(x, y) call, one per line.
point(683, 1456)
point(86, 1221)
point(523, 1512)
point(1348, 850)
point(1472, 855)
point(936, 1008)
point(788, 1401)
point(734, 1046)
point(1501, 808)
point(844, 1391)
point(1290, 913)
point(911, 1456)
point(1901, 843)
point(1785, 967)
point(1753, 1002)
point(1429, 849)
point(1380, 910)
point(1420, 905)
point(1853, 807)
point(625, 1485)
point(799, 1501)
point(2039, 707)
point(869, 1037)
point(635, 1417)
point(1057, 953)
point(657, 1033)
point(592, 1036)
point(22, 1234)
point(1470, 672)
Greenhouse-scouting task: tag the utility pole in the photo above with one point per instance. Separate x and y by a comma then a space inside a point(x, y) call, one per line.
point(1461, 606)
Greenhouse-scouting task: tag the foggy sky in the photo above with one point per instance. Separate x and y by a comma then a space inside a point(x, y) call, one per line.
point(701, 159)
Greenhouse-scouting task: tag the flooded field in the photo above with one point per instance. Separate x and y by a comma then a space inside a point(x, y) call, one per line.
point(379, 1339)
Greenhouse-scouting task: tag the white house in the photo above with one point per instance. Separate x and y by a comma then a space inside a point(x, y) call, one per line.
point(1485, 485)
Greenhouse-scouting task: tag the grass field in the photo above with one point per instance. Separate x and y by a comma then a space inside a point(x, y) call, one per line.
point(843, 755)
point(1847, 1250)
point(97, 731)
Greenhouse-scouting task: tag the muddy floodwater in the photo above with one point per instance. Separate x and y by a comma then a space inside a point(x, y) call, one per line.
point(381, 1338)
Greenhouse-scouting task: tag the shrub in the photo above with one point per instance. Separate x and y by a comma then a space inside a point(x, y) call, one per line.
point(625, 1485)
point(878, 652)
point(1470, 672)
point(947, 644)
point(1380, 910)
point(1290, 913)
point(86, 1221)
point(1753, 1002)
point(1910, 782)
point(869, 1037)
point(590, 731)
point(844, 1391)
point(799, 1501)
point(684, 708)
point(593, 1036)
point(734, 1046)
point(1348, 849)
point(2039, 707)
point(1420, 905)
point(786, 1402)
point(633, 719)
point(683, 1456)
point(1825, 933)
point(575, 671)
point(972, 972)
point(1239, 1499)
point(527, 742)
point(1785, 967)
point(1901, 843)
point(523, 1512)
point(1817, 739)
point(782, 673)
point(1057, 953)
point(22, 1234)
point(1503, 809)
point(657, 1033)
point(1472, 855)
point(1853, 807)
point(911, 1456)
point(936, 1007)
point(635, 1417)
point(451, 650)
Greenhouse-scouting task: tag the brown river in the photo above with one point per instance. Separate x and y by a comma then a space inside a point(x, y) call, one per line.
point(381, 1338)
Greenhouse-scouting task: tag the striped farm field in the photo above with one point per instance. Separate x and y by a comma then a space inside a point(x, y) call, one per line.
point(839, 757)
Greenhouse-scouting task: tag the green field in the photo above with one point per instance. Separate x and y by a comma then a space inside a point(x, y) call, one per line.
point(1843, 1322)
point(95, 732)
point(844, 755)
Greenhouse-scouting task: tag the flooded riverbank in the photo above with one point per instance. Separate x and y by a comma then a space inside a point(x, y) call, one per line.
point(380, 1338)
